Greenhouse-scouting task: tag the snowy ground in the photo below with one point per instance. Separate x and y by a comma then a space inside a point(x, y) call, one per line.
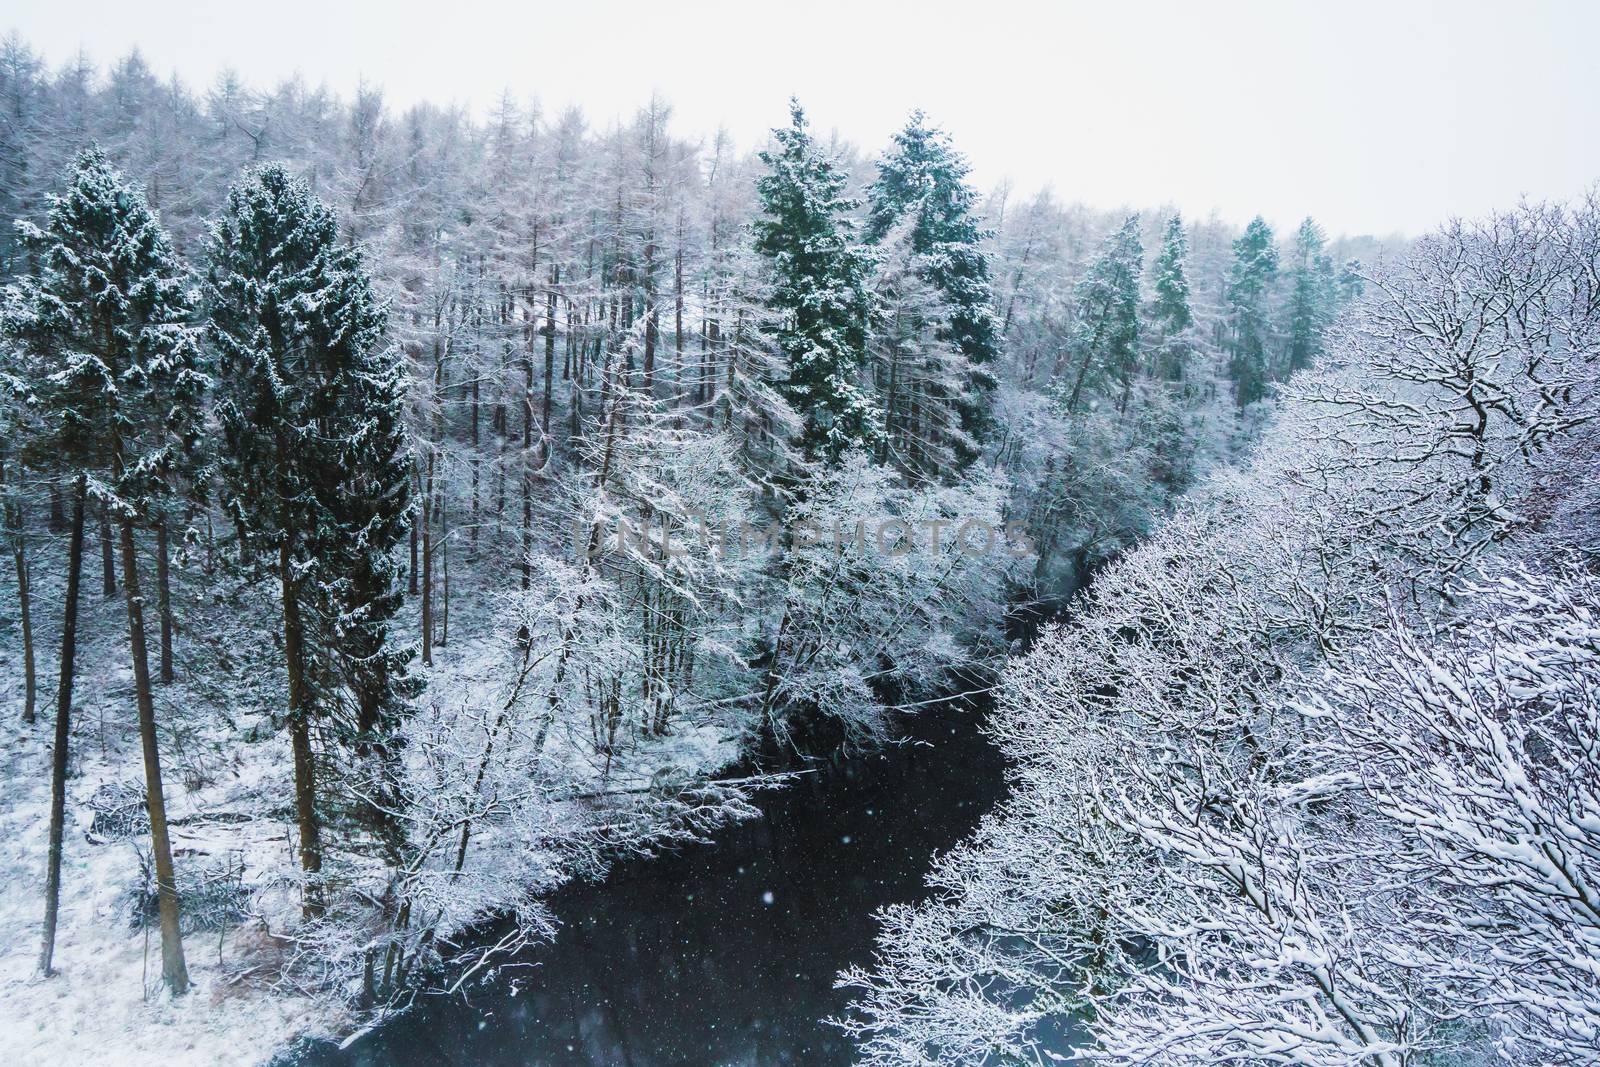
point(106, 1003)
point(228, 787)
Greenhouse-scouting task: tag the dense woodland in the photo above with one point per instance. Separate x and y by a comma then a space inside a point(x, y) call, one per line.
point(371, 472)
point(1312, 775)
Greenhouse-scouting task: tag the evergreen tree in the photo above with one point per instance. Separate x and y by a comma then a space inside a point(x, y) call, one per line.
point(1348, 283)
point(924, 178)
point(1310, 296)
point(108, 327)
point(1255, 268)
point(818, 291)
point(314, 462)
point(1171, 310)
point(1105, 345)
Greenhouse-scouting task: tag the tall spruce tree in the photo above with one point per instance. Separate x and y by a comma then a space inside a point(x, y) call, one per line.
point(923, 177)
point(1249, 289)
point(314, 462)
point(818, 293)
point(108, 324)
point(1170, 308)
point(1311, 296)
point(1105, 344)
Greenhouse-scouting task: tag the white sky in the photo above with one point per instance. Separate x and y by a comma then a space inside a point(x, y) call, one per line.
point(1373, 116)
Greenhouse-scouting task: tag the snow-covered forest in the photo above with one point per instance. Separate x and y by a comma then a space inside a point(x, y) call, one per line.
point(409, 511)
point(1312, 775)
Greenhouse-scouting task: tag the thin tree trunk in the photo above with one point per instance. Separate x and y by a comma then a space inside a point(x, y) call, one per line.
point(58, 762)
point(173, 969)
point(305, 782)
point(427, 571)
point(550, 342)
point(444, 550)
point(416, 520)
point(19, 556)
point(211, 544)
point(477, 465)
point(677, 297)
point(164, 597)
point(527, 476)
point(889, 402)
point(411, 579)
point(108, 566)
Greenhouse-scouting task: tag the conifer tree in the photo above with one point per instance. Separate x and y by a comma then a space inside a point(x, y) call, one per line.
point(818, 293)
point(314, 463)
point(1311, 296)
point(108, 325)
point(1170, 309)
point(924, 178)
point(1105, 347)
point(1348, 283)
point(1255, 268)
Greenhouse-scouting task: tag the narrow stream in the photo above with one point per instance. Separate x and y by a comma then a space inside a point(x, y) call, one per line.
point(724, 953)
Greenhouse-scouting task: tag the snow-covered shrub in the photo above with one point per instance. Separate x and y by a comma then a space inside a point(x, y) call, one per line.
point(213, 892)
point(119, 812)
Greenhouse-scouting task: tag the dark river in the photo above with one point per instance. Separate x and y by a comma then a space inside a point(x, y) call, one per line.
point(724, 953)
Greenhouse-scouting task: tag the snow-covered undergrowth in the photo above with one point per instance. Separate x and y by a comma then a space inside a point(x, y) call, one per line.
point(227, 784)
point(230, 803)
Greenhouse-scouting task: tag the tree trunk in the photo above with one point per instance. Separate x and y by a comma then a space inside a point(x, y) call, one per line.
point(305, 781)
point(411, 579)
point(889, 402)
point(211, 544)
point(444, 550)
point(427, 570)
point(173, 970)
point(163, 597)
point(677, 299)
point(550, 342)
point(19, 556)
point(527, 475)
point(58, 762)
point(108, 565)
point(477, 464)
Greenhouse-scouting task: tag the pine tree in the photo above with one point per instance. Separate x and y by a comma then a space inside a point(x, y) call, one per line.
point(1255, 268)
point(818, 291)
point(924, 178)
point(314, 461)
point(1171, 310)
point(1310, 296)
point(1105, 347)
point(108, 324)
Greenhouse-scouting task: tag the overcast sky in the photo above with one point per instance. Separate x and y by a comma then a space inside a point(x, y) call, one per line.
point(1373, 116)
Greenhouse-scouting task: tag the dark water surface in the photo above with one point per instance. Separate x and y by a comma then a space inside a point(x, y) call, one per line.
point(724, 953)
